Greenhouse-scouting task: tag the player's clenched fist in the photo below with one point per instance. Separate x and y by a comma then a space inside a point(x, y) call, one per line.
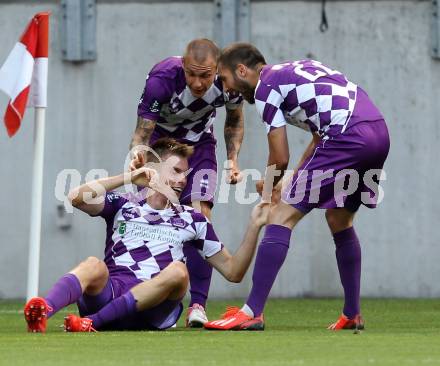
point(234, 175)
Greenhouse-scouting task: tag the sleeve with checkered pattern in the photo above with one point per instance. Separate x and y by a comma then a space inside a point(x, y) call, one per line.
point(268, 102)
point(113, 201)
point(207, 237)
point(157, 92)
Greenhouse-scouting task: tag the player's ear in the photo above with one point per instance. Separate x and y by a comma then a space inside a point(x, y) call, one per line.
point(241, 70)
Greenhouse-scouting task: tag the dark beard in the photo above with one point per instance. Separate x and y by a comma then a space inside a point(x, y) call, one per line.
point(248, 96)
point(245, 90)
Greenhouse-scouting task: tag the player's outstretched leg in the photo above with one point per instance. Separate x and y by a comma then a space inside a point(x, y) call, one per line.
point(169, 284)
point(90, 275)
point(348, 257)
point(116, 309)
point(67, 290)
point(271, 254)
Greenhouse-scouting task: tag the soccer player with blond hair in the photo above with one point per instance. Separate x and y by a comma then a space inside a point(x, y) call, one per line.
point(143, 278)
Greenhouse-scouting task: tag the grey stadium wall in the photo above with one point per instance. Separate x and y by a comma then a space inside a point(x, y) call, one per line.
point(383, 46)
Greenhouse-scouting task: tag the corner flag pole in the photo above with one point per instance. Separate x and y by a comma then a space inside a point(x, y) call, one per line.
point(36, 205)
point(38, 99)
point(23, 77)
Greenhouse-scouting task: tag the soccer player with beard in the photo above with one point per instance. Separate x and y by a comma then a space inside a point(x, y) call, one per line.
point(348, 132)
point(142, 279)
point(179, 100)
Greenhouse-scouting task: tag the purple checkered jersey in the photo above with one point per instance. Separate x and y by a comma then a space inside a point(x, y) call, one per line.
point(143, 241)
point(167, 100)
point(310, 95)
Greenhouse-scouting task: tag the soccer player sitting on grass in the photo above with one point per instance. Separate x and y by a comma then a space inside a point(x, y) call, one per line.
point(143, 277)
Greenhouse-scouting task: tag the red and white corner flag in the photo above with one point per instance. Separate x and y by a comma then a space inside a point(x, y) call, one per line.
point(23, 76)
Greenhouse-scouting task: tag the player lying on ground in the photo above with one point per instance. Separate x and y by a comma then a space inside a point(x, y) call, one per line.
point(180, 100)
point(143, 278)
point(348, 133)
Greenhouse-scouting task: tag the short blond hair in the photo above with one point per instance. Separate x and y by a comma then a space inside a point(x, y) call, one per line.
point(169, 146)
point(201, 49)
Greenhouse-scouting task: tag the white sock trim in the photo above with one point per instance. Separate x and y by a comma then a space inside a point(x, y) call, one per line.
point(247, 310)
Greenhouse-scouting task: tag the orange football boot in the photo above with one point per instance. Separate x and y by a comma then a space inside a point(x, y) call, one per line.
point(74, 323)
point(235, 319)
point(35, 314)
point(345, 323)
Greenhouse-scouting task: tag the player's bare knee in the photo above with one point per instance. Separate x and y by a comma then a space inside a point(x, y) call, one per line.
point(330, 217)
point(92, 274)
point(179, 280)
point(284, 214)
point(92, 262)
point(96, 268)
point(178, 273)
point(338, 219)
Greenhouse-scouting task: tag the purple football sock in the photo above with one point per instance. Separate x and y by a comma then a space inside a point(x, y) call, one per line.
point(348, 256)
point(200, 273)
point(270, 257)
point(67, 290)
point(115, 309)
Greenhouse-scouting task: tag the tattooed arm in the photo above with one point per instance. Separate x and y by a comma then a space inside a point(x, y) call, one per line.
point(142, 133)
point(233, 132)
point(141, 136)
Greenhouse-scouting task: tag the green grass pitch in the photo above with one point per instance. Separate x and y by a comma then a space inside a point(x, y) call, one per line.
point(398, 332)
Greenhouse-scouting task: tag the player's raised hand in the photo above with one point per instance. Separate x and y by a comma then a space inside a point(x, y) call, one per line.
point(144, 177)
point(260, 214)
point(138, 161)
point(234, 175)
point(163, 187)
